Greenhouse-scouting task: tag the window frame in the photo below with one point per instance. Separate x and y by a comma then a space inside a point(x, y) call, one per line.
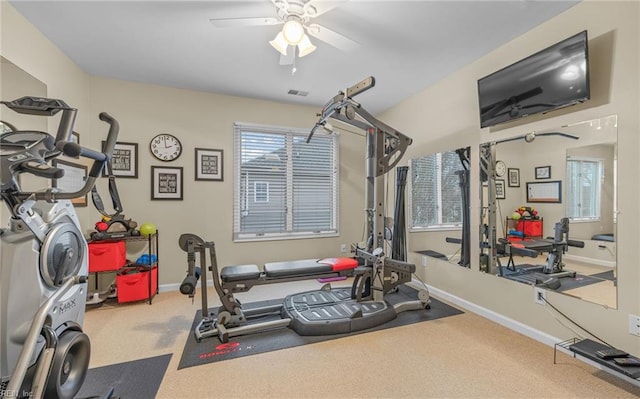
point(441, 226)
point(598, 194)
point(264, 192)
point(238, 201)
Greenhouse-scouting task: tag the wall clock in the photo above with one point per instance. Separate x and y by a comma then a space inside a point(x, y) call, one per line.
point(165, 147)
point(501, 168)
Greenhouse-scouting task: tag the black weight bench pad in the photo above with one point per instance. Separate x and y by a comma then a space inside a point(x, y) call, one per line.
point(588, 348)
point(296, 268)
point(239, 273)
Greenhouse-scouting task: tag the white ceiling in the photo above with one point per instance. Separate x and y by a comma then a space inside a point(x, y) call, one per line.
point(406, 45)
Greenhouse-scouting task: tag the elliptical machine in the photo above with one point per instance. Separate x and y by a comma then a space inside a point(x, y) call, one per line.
point(44, 259)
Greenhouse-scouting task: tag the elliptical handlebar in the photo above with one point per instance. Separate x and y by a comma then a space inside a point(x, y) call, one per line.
point(36, 166)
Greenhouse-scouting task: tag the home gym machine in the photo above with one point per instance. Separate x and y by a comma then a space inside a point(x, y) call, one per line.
point(490, 247)
point(546, 275)
point(43, 269)
point(326, 311)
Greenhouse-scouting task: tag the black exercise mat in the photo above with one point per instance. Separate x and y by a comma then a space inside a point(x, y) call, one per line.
point(211, 350)
point(566, 283)
point(569, 283)
point(605, 275)
point(138, 379)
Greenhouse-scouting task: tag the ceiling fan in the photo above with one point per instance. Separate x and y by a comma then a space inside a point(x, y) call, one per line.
point(295, 17)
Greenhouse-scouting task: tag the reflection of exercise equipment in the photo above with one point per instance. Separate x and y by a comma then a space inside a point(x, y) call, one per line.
point(463, 178)
point(546, 275)
point(488, 230)
point(43, 269)
point(327, 311)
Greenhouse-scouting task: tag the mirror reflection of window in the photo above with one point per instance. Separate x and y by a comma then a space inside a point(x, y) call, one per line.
point(436, 200)
point(584, 177)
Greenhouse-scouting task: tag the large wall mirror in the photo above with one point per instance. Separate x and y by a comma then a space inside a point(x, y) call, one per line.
point(439, 205)
point(549, 209)
point(17, 83)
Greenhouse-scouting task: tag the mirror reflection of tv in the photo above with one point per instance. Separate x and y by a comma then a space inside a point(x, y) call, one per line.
point(553, 78)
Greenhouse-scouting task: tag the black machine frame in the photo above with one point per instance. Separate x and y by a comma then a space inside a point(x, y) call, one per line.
point(361, 306)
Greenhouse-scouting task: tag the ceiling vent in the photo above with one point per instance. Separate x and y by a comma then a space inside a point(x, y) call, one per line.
point(300, 93)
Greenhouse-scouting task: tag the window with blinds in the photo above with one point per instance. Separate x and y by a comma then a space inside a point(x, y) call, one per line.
point(284, 186)
point(584, 181)
point(436, 199)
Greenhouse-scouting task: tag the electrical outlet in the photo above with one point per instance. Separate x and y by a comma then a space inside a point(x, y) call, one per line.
point(343, 248)
point(424, 260)
point(634, 325)
point(540, 295)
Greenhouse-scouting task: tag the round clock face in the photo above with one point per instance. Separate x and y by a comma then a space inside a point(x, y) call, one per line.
point(501, 168)
point(165, 147)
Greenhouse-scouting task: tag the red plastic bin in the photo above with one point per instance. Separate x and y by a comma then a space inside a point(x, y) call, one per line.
point(132, 283)
point(107, 256)
point(530, 228)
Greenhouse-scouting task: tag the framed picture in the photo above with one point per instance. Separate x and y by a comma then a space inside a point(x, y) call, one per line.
point(514, 177)
point(500, 194)
point(543, 172)
point(549, 191)
point(209, 164)
point(166, 183)
point(75, 137)
point(124, 162)
point(73, 180)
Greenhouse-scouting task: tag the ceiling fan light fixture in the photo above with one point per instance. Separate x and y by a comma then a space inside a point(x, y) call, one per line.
point(280, 43)
point(293, 31)
point(305, 47)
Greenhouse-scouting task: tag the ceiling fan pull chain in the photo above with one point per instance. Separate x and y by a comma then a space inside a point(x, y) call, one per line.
point(293, 68)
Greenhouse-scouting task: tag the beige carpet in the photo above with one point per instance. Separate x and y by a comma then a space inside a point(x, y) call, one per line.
point(463, 356)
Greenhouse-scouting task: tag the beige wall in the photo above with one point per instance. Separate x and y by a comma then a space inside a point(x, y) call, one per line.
point(206, 120)
point(445, 116)
point(441, 117)
point(198, 120)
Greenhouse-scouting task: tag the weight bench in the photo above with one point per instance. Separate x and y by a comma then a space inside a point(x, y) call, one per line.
point(242, 278)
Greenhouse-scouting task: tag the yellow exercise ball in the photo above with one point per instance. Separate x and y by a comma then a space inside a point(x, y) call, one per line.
point(148, 229)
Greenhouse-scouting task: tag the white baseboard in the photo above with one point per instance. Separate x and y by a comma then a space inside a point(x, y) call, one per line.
point(592, 261)
point(491, 315)
point(518, 327)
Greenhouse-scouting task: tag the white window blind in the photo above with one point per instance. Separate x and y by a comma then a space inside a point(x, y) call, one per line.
point(284, 186)
point(436, 200)
point(584, 181)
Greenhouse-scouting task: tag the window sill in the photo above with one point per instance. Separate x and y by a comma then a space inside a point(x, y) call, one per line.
point(438, 228)
point(284, 236)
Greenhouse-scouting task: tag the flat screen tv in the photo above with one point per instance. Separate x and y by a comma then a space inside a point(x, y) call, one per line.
point(553, 78)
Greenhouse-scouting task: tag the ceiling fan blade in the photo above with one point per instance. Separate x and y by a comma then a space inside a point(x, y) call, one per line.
point(333, 38)
point(289, 58)
point(242, 22)
point(315, 8)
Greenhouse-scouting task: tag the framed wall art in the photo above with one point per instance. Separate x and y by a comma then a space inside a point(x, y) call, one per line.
point(209, 164)
point(166, 183)
point(73, 180)
point(543, 172)
point(514, 177)
point(500, 192)
point(549, 191)
point(124, 162)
